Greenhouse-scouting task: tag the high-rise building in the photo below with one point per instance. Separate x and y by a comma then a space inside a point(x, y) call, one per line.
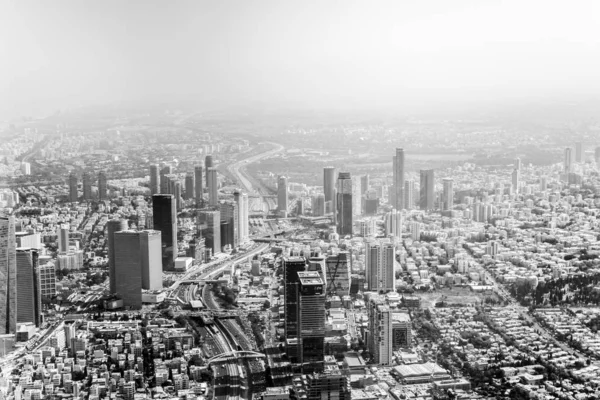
point(427, 191)
point(47, 275)
point(8, 276)
point(380, 331)
point(337, 270)
point(579, 152)
point(364, 186)
point(515, 181)
point(25, 168)
point(208, 163)
point(517, 164)
point(150, 245)
point(291, 267)
point(87, 186)
point(597, 155)
point(198, 185)
point(415, 230)
point(102, 186)
point(330, 384)
point(164, 182)
point(29, 301)
point(356, 196)
point(409, 194)
point(212, 184)
point(128, 268)
point(190, 190)
point(568, 160)
point(282, 194)
point(113, 226)
point(311, 320)
point(230, 214)
point(398, 163)
point(63, 238)
point(318, 205)
point(401, 330)
point(154, 179)
point(448, 194)
point(344, 204)
point(73, 196)
point(177, 194)
point(242, 205)
point(210, 225)
point(379, 265)
point(543, 183)
point(164, 216)
point(393, 223)
point(329, 187)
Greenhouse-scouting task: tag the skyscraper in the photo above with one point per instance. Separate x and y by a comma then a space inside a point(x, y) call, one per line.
point(364, 184)
point(568, 160)
point(318, 205)
point(47, 275)
point(164, 182)
point(210, 224)
point(329, 187)
point(398, 164)
point(150, 245)
point(87, 186)
point(579, 152)
point(282, 194)
point(379, 263)
point(427, 192)
point(448, 194)
point(242, 206)
point(337, 271)
point(63, 238)
point(129, 267)
point(291, 267)
point(409, 194)
point(230, 213)
point(154, 179)
point(165, 220)
point(208, 163)
point(515, 181)
point(380, 331)
point(212, 183)
point(73, 196)
point(198, 186)
point(29, 301)
point(393, 223)
point(8, 276)
point(113, 226)
point(102, 187)
point(517, 164)
point(344, 204)
point(356, 195)
point(177, 194)
point(190, 190)
point(311, 320)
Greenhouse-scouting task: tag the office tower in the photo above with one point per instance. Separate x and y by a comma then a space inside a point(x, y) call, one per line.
point(364, 186)
point(113, 226)
point(87, 186)
point(241, 200)
point(317, 263)
point(291, 267)
point(517, 164)
point(102, 186)
point(401, 330)
point(47, 275)
point(579, 152)
point(380, 331)
point(448, 194)
point(150, 244)
point(318, 205)
point(73, 196)
point(198, 182)
point(379, 266)
point(230, 214)
point(393, 223)
point(26, 168)
point(154, 179)
point(164, 216)
point(597, 155)
point(398, 164)
point(311, 320)
point(212, 184)
point(356, 196)
point(329, 188)
point(226, 234)
point(300, 206)
point(337, 270)
point(210, 222)
point(409, 194)
point(543, 184)
point(128, 268)
point(330, 384)
point(515, 181)
point(190, 190)
point(568, 160)
point(29, 302)
point(427, 191)
point(208, 163)
point(282, 194)
point(8, 276)
point(63, 238)
point(164, 182)
point(177, 195)
point(415, 230)
point(344, 204)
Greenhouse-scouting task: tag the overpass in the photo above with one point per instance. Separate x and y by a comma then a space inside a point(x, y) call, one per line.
point(236, 354)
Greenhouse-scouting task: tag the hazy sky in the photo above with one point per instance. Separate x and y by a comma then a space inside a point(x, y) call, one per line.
point(317, 53)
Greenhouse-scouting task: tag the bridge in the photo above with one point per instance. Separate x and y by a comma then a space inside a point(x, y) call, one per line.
point(235, 354)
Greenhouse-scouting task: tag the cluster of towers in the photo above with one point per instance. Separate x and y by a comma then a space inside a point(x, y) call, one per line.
point(87, 184)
